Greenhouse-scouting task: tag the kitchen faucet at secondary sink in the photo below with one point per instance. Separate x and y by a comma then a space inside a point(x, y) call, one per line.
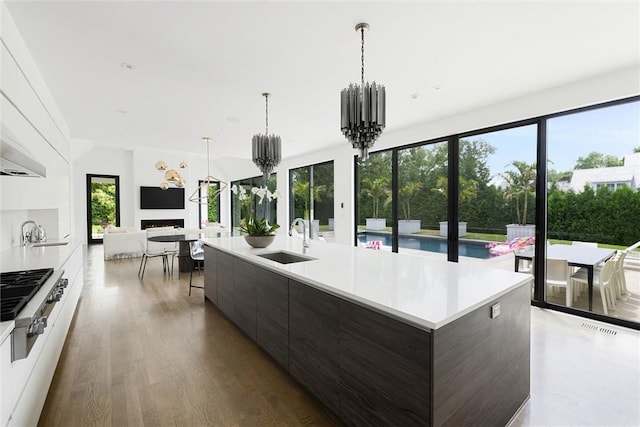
point(305, 242)
point(35, 234)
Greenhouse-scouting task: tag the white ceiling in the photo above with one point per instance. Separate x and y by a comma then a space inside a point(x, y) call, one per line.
point(200, 67)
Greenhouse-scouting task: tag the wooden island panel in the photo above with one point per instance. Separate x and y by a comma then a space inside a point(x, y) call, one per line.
point(314, 341)
point(247, 278)
point(384, 369)
point(272, 320)
point(211, 275)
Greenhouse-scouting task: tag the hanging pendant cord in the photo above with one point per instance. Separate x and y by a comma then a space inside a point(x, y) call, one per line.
point(208, 161)
point(362, 56)
point(266, 114)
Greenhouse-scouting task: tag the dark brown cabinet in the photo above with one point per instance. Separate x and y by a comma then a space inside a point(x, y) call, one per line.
point(224, 265)
point(384, 369)
point(313, 341)
point(211, 275)
point(272, 322)
point(247, 278)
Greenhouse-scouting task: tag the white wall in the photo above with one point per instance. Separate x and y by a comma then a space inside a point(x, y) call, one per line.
point(100, 161)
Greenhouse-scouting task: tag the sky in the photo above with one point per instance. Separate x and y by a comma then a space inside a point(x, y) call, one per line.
point(613, 130)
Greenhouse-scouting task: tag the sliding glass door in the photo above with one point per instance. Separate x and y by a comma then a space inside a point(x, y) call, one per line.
point(593, 209)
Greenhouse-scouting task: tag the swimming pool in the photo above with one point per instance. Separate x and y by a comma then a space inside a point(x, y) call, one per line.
point(431, 244)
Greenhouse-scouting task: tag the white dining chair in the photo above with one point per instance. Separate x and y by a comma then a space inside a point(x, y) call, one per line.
point(620, 279)
point(165, 249)
point(524, 266)
point(558, 276)
point(604, 279)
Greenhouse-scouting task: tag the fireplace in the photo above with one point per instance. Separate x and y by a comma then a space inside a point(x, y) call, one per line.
point(152, 223)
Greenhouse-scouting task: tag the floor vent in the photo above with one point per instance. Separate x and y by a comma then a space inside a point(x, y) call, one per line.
point(598, 329)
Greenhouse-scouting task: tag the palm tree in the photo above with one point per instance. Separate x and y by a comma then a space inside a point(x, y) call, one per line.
point(376, 189)
point(407, 193)
point(520, 182)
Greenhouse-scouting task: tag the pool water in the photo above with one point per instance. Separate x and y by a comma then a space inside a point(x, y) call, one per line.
point(430, 244)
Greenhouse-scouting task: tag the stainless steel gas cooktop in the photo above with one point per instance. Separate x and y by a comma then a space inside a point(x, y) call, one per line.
point(17, 288)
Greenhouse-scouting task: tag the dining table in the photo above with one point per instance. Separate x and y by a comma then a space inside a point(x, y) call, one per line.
point(576, 255)
point(185, 263)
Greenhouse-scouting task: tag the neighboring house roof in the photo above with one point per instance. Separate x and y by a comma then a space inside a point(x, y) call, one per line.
point(629, 174)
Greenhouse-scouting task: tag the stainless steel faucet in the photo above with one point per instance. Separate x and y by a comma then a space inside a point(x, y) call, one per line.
point(305, 242)
point(36, 233)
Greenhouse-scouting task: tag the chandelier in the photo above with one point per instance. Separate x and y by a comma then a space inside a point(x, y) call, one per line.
point(362, 109)
point(266, 149)
point(201, 195)
point(171, 175)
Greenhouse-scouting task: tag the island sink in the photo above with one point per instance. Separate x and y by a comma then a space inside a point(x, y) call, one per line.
point(286, 257)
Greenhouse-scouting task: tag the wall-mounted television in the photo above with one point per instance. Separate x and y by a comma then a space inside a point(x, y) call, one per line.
point(157, 198)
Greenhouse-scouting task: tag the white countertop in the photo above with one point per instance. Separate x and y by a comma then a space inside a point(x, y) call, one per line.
point(30, 258)
point(419, 290)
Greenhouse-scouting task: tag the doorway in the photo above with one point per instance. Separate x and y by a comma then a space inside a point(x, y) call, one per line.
point(103, 205)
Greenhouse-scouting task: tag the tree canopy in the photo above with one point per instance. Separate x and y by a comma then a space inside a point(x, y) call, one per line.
point(597, 160)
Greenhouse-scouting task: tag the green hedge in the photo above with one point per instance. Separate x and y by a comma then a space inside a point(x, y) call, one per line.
point(604, 216)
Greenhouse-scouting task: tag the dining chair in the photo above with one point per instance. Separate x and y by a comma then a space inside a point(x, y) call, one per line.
point(604, 279)
point(196, 251)
point(619, 278)
point(558, 276)
point(524, 266)
point(582, 287)
point(146, 254)
point(170, 249)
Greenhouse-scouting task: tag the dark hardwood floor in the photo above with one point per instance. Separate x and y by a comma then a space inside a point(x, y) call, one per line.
point(142, 352)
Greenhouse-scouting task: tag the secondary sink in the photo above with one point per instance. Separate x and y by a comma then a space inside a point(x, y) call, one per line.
point(286, 257)
point(37, 245)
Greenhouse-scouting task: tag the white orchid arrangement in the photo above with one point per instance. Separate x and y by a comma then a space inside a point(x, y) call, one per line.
point(260, 192)
point(250, 224)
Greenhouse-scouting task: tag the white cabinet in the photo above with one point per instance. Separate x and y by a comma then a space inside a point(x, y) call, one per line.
point(8, 396)
point(27, 116)
point(28, 380)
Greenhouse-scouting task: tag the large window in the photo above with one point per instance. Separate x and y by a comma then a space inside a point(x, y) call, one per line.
point(496, 193)
point(251, 204)
point(374, 197)
point(544, 188)
point(311, 196)
point(593, 204)
point(209, 204)
point(422, 198)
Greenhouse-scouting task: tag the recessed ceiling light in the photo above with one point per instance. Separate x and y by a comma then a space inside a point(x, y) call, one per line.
point(437, 87)
point(233, 119)
point(127, 66)
point(415, 95)
point(121, 111)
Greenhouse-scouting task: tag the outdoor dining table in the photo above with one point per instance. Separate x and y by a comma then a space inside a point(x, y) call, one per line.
point(576, 256)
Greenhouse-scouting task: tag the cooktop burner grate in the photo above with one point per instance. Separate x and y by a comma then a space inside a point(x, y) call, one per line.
point(17, 288)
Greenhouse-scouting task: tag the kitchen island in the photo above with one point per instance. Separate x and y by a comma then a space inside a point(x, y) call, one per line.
point(382, 338)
